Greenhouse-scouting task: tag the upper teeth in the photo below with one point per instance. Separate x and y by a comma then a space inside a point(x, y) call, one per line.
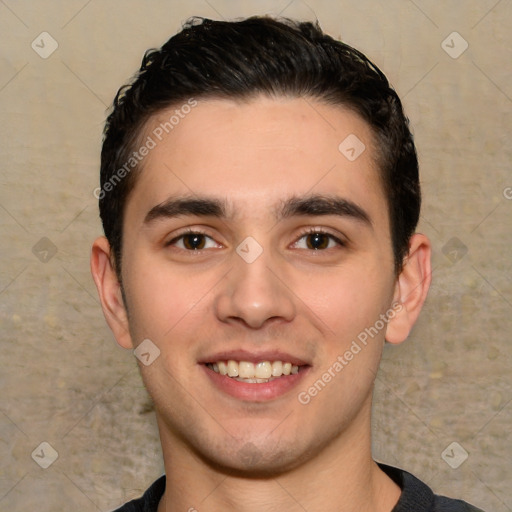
point(248, 370)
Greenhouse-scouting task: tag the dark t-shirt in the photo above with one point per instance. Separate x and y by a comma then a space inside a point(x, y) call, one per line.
point(415, 497)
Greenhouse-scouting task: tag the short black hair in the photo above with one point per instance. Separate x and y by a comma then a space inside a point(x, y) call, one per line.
point(241, 59)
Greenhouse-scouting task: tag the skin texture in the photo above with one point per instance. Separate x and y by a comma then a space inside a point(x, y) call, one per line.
point(227, 453)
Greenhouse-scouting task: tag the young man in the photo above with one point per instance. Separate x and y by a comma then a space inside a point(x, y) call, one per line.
point(259, 196)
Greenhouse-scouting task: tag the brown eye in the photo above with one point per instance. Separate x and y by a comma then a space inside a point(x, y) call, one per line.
point(194, 241)
point(317, 241)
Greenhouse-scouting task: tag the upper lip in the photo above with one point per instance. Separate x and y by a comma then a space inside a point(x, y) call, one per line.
point(253, 357)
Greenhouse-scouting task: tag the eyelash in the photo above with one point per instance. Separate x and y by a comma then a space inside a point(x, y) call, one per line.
point(320, 231)
point(305, 232)
point(188, 231)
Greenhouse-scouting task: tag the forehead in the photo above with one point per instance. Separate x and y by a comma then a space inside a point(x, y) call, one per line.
point(254, 152)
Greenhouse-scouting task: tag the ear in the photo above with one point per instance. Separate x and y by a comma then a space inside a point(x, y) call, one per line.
point(411, 288)
point(109, 290)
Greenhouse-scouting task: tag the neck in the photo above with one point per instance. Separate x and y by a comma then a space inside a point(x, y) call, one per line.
point(341, 477)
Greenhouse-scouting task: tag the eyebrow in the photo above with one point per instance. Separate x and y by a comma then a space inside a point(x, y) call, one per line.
point(314, 205)
point(183, 206)
point(323, 205)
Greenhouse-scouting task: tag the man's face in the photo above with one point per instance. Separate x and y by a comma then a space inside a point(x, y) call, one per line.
point(315, 272)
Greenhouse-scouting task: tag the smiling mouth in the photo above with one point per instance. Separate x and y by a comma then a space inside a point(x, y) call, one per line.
point(254, 373)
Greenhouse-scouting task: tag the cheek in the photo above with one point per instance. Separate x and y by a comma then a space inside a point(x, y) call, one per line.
point(160, 300)
point(347, 300)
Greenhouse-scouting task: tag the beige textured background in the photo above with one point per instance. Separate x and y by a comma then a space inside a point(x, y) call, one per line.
point(63, 378)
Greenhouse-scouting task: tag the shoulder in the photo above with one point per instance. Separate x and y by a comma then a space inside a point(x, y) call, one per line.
point(148, 502)
point(418, 497)
point(444, 504)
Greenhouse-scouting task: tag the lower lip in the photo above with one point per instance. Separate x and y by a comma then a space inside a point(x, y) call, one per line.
point(255, 392)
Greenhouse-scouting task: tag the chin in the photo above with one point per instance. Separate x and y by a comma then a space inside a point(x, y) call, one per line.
point(252, 461)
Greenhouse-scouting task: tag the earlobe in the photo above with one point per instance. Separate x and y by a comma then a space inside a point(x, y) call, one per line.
point(411, 288)
point(109, 290)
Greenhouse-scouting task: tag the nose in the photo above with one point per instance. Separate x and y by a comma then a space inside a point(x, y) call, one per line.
point(255, 293)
